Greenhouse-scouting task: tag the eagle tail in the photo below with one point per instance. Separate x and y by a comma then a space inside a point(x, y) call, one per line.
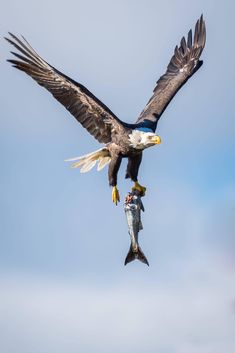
point(88, 161)
point(136, 255)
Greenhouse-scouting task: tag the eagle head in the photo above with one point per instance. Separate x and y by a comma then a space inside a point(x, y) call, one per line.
point(143, 139)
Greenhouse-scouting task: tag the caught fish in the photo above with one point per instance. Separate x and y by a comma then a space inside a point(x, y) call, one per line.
point(133, 207)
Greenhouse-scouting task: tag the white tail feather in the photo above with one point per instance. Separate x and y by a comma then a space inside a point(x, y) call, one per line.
point(102, 163)
point(77, 164)
point(85, 156)
point(88, 161)
point(87, 166)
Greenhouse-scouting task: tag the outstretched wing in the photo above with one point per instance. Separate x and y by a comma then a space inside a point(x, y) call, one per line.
point(80, 102)
point(184, 63)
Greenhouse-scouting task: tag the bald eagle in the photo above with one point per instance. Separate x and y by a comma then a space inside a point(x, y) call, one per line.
point(121, 139)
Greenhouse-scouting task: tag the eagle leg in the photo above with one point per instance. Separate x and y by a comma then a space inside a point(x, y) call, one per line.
point(113, 171)
point(139, 188)
point(115, 195)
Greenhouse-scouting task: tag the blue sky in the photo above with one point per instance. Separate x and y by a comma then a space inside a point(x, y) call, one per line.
point(63, 283)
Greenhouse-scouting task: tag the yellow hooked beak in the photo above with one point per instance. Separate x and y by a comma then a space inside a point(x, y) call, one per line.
point(156, 139)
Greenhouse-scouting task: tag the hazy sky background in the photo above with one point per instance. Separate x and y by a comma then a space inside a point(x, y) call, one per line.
point(63, 284)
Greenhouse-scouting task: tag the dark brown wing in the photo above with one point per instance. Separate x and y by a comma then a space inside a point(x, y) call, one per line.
point(80, 102)
point(184, 63)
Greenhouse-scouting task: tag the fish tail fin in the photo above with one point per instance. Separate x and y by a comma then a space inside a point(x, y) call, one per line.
point(136, 255)
point(87, 162)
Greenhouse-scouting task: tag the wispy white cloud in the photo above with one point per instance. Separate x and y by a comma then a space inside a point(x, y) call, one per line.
point(194, 315)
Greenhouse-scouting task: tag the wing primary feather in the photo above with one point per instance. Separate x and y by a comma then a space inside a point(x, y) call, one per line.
point(183, 64)
point(76, 98)
point(189, 41)
point(183, 45)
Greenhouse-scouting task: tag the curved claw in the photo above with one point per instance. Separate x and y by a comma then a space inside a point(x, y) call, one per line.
point(139, 188)
point(115, 195)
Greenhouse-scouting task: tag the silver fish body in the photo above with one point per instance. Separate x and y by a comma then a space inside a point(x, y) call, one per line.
point(133, 207)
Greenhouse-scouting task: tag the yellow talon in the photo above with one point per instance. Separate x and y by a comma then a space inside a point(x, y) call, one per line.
point(139, 188)
point(115, 195)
